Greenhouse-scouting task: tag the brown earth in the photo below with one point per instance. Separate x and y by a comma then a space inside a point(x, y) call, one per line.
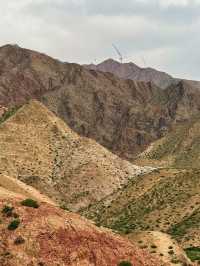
point(50, 236)
point(161, 245)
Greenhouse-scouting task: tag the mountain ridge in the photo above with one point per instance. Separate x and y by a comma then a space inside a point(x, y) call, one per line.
point(124, 116)
point(132, 71)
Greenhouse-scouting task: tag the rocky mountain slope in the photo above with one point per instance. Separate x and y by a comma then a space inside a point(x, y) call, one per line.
point(134, 72)
point(122, 115)
point(180, 148)
point(41, 150)
point(165, 200)
point(42, 234)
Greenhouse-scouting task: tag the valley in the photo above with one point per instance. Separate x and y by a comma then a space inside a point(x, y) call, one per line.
point(122, 153)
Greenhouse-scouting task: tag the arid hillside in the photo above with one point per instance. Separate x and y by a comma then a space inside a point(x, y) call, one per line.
point(122, 115)
point(161, 245)
point(33, 231)
point(71, 142)
point(180, 148)
point(41, 150)
point(165, 200)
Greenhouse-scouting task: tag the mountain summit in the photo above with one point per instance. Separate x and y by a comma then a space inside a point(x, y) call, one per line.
point(134, 72)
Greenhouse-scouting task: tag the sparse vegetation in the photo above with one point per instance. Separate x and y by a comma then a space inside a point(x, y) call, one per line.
point(10, 112)
point(193, 253)
point(7, 210)
point(170, 252)
point(19, 240)
point(13, 224)
point(30, 203)
point(125, 263)
point(64, 207)
point(175, 261)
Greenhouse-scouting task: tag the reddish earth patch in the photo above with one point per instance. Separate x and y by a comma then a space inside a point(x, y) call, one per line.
point(55, 237)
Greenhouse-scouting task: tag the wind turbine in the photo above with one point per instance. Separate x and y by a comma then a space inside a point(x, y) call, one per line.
point(118, 52)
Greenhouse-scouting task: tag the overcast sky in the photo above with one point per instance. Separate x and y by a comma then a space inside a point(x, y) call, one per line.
point(164, 34)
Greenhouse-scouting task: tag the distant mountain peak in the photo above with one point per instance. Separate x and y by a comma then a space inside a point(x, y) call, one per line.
point(132, 71)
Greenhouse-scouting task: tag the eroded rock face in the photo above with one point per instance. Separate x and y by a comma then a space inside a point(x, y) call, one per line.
point(50, 236)
point(122, 115)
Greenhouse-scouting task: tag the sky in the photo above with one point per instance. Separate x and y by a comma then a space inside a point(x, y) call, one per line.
point(163, 34)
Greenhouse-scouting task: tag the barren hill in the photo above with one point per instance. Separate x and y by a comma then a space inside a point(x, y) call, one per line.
point(134, 72)
point(50, 236)
point(122, 115)
point(41, 150)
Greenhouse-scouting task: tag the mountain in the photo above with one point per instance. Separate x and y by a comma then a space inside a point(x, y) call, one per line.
point(134, 72)
point(180, 148)
point(165, 200)
point(124, 116)
point(36, 232)
point(41, 150)
point(71, 142)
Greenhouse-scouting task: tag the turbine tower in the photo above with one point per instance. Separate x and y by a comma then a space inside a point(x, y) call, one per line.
point(118, 52)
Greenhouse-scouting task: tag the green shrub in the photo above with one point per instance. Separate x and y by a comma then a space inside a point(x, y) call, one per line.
point(9, 113)
point(171, 252)
point(64, 207)
point(175, 261)
point(19, 240)
point(125, 263)
point(193, 253)
point(7, 210)
point(30, 203)
point(15, 215)
point(14, 224)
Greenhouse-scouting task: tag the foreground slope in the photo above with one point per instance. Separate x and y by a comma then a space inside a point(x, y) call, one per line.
point(162, 245)
point(12, 187)
point(47, 235)
point(134, 72)
point(41, 150)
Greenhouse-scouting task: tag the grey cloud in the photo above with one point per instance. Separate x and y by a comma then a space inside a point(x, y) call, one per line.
point(84, 30)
